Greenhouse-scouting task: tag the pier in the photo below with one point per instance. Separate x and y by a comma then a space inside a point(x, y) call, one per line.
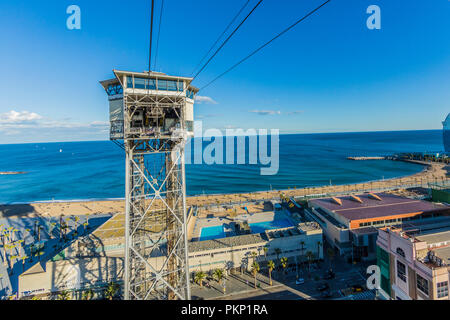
point(366, 158)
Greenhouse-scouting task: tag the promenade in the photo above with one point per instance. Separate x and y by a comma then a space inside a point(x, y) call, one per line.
point(432, 173)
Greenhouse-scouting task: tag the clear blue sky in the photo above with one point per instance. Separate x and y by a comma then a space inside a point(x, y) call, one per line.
point(329, 74)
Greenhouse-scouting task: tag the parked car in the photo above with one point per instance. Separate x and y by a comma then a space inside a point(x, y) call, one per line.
point(322, 286)
point(300, 281)
point(357, 288)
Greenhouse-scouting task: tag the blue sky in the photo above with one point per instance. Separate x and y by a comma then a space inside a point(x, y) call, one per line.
point(329, 74)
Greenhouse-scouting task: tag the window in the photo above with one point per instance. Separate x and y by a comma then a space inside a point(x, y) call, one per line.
point(401, 271)
point(162, 84)
point(422, 284)
point(190, 94)
point(130, 82)
point(139, 83)
point(114, 89)
point(151, 84)
point(442, 289)
point(189, 125)
point(171, 85)
point(400, 252)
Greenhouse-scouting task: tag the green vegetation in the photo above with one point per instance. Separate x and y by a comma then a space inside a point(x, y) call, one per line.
point(87, 294)
point(284, 263)
point(198, 278)
point(64, 295)
point(111, 290)
point(277, 252)
point(255, 270)
point(218, 274)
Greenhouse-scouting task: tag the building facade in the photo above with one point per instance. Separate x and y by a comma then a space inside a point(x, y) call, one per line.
point(413, 259)
point(351, 223)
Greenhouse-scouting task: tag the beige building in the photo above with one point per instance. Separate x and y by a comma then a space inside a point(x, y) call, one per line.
point(414, 259)
point(232, 253)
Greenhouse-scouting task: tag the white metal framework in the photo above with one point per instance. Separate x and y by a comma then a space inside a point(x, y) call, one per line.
point(153, 114)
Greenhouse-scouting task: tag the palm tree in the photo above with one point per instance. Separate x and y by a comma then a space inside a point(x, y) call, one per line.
point(277, 252)
point(64, 295)
point(255, 270)
point(111, 290)
point(199, 276)
point(330, 254)
point(218, 274)
point(265, 249)
point(254, 254)
point(309, 256)
point(319, 245)
point(87, 294)
point(284, 263)
point(302, 249)
point(271, 266)
point(23, 262)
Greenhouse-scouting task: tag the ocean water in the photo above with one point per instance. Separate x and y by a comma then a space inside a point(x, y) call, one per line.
point(95, 169)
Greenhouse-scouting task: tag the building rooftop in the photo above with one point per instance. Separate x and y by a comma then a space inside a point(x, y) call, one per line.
point(422, 227)
point(227, 242)
point(435, 236)
point(363, 231)
point(443, 254)
point(368, 206)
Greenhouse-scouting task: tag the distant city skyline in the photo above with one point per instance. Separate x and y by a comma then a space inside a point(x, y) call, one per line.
point(328, 74)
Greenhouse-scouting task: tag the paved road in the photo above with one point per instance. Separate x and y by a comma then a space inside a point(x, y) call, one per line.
point(286, 289)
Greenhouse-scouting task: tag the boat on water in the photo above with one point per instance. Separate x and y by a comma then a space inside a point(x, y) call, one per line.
point(446, 133)
point(12, 172)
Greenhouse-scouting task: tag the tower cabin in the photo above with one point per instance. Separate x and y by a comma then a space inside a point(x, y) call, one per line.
point(149, 105)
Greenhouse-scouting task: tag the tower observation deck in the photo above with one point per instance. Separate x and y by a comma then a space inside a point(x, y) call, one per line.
point(153, 114)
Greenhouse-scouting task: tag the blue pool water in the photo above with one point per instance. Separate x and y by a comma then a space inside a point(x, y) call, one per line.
point(214, 232)
point(260, 227)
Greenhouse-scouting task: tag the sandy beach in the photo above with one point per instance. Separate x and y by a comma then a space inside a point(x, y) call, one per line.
point(432, 173)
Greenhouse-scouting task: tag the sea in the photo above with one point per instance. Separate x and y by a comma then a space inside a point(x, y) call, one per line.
point(96, 169)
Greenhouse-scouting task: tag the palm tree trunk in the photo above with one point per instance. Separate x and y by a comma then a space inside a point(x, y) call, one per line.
point(270, 277)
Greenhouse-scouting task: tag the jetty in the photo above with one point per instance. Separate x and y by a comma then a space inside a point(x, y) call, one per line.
point(366, 158)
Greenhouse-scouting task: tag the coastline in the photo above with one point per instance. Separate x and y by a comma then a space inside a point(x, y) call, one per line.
point(432, 172)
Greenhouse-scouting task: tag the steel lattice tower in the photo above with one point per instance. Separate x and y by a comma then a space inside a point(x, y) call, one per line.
point(153, 114)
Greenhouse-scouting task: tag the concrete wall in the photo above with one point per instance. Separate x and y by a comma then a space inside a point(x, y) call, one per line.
point(332, 232)
point(72, 274)
point(240, 256)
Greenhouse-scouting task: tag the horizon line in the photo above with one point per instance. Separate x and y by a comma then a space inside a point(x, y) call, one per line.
point(285, 133)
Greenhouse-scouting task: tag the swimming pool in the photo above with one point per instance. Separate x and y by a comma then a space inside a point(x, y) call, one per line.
point(259, 227)
point(215, 232)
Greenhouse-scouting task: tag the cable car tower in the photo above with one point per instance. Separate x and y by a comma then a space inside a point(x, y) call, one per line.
point(153, 114)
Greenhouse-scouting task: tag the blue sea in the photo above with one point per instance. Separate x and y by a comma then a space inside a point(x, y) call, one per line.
point(95, 169)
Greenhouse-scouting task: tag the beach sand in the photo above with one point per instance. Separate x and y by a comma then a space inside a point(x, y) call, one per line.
point(433, 172)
